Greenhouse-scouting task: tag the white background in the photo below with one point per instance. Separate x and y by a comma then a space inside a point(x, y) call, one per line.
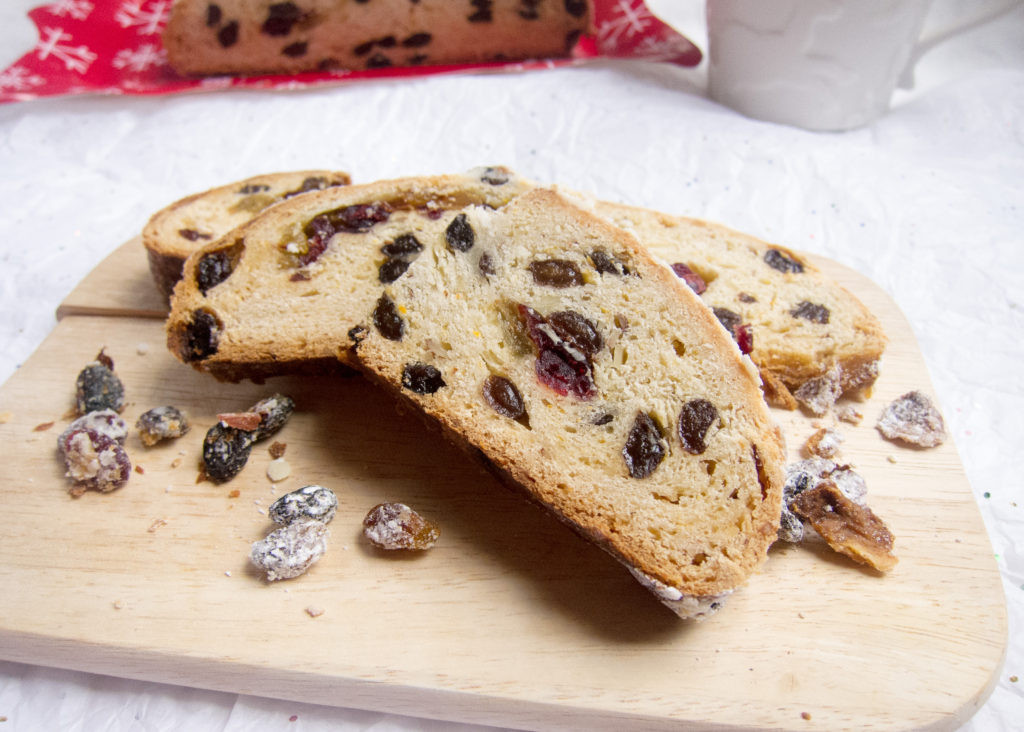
point(928, 202)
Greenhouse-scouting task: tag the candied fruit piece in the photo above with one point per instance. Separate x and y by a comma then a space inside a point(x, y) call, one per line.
point(824, 443)
point(913, 418)
point(691, 278)
point(395, 526)
point(290, 550)
point(309, 502)
point(644, 449)
point(161, 423)
point(695, 419)
point(422, 378)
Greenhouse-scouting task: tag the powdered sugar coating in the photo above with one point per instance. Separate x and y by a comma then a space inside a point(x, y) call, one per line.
point(396, 526)
point(914, 419)
point(807, 474)
point(93, 461)
point(819, 395)
point(310, 502)
point(105, 421)
point(161, 423)
point(289, 551)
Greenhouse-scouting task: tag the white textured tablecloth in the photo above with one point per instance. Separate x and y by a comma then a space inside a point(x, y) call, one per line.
point(928, 202)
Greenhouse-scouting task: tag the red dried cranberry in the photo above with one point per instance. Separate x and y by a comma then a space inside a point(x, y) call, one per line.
point(695, 419)
point(811, 311)
point(503, 397)
point(387, 320)
point(556, 273)
point(744, 336)
point(557, 367)
point(691, 278)
point(459, 234)
point(422, 378)
point(783, 262)
point(644, 449)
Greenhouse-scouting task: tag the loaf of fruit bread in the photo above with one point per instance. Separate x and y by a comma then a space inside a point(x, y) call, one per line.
point(179, 229)
point(547, 341)
point(269, 36)
point(281, 292)
point(811, 339)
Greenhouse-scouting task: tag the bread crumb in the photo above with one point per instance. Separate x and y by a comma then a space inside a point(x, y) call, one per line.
point(142, 349)
point(118, 604)
point(277, 449)
point(227, 572)
point(176, 462)
point(139, 469)
point(42, 427)
point(157, 523)
point(235, 493)
point(6, 417)
point(314, 611)
point(278, 469)
point(805, 715)
point(891, 458)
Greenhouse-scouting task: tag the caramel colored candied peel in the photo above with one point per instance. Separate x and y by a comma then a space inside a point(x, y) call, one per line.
point(847, 527)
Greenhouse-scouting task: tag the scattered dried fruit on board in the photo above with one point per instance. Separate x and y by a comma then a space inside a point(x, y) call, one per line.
point(290, 550)
point(226, 448)
point(161, 423)
point(93, 461)
point(913, 419)
point(823, 443)
point(309, 502)
point(396, 526)
point(98, 387)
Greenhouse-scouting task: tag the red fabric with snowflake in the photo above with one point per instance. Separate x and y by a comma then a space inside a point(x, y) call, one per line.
point(113, 47)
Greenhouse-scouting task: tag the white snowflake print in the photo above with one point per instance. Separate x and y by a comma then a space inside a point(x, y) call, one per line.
point(662, 49)
point(18, 79)
point(55, 43)
point(77, 9)
point(148, 17)
point(140, 59)
point(629, 18)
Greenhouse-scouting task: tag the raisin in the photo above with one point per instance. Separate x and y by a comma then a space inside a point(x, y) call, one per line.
point(741, 332)
point(602, 419)
point(280, 19)
point(309, 502)
point(556, 273)
point(811, 311)
point(504, 398)
point(387, 320)
point(422, 378)
point(295, 50)
point(289, 551)
point(378, 61)
point(644, 449)
point(557, 366)
point(691, 278)
point(193, 235)
point(213, 15)
point(202, 335)
point(745, 297)
point(576, 331)
point(459, 234)
point(161, 423)
point(606, 263)
point(486, 265)
point(495, 176)
point(783, 262)
point(363, 48)
point(484, 12)
point(98, 387)
point(695, 419)
point(417, 40)
point(274, 411)
point(312, 183)
point(225, 451)
point(395, 526)
point(403, 245)
point(576, 8)
point(251, 188)
point(215, 267)
point(354, 219)
point(728, 318)
point(93, 461)
point(391, 270)
point(228, 35)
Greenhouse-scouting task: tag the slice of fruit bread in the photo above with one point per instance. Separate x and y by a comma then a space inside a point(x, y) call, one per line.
point(547, 341)
point(177, 230)
point(281, 292)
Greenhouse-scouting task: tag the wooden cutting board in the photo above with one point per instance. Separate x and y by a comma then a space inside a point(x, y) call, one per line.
point(511, 619)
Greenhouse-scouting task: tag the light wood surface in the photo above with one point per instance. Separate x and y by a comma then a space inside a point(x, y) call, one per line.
point(510, 619)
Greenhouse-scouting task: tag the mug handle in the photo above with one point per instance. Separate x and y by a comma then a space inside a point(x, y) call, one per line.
point(906, 80)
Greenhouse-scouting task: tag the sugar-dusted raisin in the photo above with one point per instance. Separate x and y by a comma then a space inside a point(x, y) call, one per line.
point(274, 411)
point(644, 449)
point(280, 19)
point(556, 273)
point(691, 278)
point(576, 331)
point(225, 451)
point(161, 423)
point(309, 502)
point(387, 320)
point(783, 261)
point(913, 419)
point(105, 421)
point(459, 234)
point(504, 398)
point(395, 526)
point(422, 378)
point(290, 550)
point(98, 387)
point(93, 461)
point(811, 311)
point(202, 335)
point(818, 395)
point(695, 419)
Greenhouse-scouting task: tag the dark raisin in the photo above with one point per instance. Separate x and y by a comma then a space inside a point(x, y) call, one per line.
point(495, 176)
point(215, 267)
point(486, 265)
point(417, 40)
point(644, 449)
point(695, 419)
point(98, 387)
point(571, 39)
point(356, 334)
point(603, 418)
point(783, 262)
point(391, 270)
point(421, 378)
point(387, 42)
point(310, 502)
point(402, 246)
point(691, 278)
point(228, 35)
point(213, 15)
point(295, 50)
point(378, 61)
point(459, 234)
point(274, 411)
point(746, 297)
point(811, 311)
point(557, 367)
point(556, 273)
point(387, 320)
point(202, 335)
point(225, 451)
point(728, 318)
point(576, 8)
point(193, 235)
point(364, 48)
point(503, 397)
point(417, 59)
point(312, 183)
point(606, 263)
point(280, 19)
point(576, 331)
point(251, 188)
point(161, 423)
point(484, 11)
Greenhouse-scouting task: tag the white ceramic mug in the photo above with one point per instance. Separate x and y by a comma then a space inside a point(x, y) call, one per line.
point(819, 64)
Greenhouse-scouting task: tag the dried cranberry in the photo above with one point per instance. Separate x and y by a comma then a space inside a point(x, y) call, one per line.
point(387, 320)
point(556, 273)
point(459, 234)
point(783, 262)
point(811, 311)
point(503, 397)
point(644, 449)
point(280, 19)
point(691, 278)
point(744, 336)
point(202, 335)
point(422, 378)
point(557, 366)
point(576, 331)
point(695, 419)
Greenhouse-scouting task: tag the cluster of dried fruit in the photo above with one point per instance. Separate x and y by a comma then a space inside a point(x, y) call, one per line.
point(228, 444)
point(303, 516)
